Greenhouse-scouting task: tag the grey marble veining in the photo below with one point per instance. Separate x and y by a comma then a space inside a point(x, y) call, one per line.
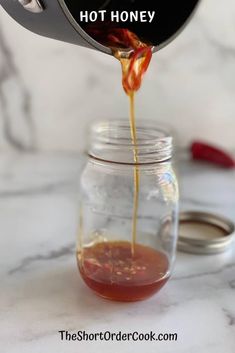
point(50, 90)
point(17, 123)
point(42, 292)
point(54, 254)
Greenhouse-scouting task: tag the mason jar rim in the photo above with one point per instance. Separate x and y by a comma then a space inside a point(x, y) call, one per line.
point(110, 141)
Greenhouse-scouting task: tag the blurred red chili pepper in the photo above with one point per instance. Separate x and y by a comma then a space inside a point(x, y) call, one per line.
point(202, 151)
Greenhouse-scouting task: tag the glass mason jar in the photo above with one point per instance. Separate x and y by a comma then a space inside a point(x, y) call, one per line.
point(129, 211)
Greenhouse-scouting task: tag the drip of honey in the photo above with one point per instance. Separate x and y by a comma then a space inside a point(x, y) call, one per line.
point(136, 172)
point(134, 56)
point(134, 65)
point(125, 271)
point(112, 271)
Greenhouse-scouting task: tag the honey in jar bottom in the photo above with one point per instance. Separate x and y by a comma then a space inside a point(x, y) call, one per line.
point(114, 272)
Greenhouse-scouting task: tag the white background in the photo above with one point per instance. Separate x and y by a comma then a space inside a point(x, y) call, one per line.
point(50, 90)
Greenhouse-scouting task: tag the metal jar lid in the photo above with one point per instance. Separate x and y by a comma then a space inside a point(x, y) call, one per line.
point(204, 233)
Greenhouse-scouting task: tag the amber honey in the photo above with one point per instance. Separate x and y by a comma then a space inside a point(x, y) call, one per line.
point(112, 271)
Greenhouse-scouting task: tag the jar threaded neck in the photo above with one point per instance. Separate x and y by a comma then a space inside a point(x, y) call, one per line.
point(111, 141)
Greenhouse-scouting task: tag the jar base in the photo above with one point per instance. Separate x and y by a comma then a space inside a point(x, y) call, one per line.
point(120, 293)
point(114, 272)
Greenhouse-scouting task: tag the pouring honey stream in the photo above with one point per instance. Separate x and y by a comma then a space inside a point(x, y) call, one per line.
point(133, 69)
point(134, 56)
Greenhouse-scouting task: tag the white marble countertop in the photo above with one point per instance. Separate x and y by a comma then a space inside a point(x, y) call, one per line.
point(42, 293)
